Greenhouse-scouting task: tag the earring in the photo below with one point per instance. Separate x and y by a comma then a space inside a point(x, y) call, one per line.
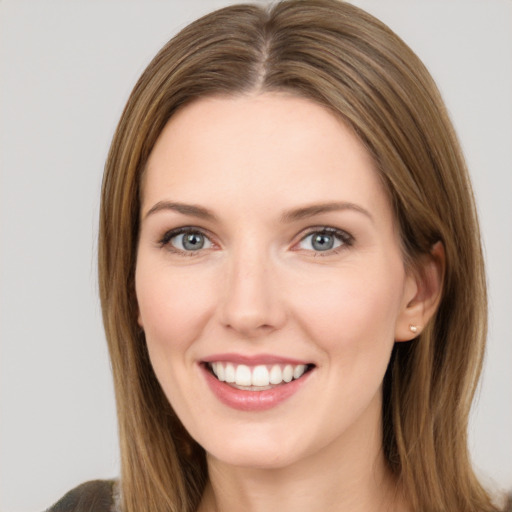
point(413, 328)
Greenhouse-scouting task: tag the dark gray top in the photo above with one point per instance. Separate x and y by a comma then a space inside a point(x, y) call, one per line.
point(93, 496)
point(103, 496)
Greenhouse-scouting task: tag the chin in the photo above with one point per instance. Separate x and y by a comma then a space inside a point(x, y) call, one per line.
point(254, 459)
point(254, 452)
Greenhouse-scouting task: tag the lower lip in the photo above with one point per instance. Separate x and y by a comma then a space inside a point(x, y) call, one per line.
point(252, 400)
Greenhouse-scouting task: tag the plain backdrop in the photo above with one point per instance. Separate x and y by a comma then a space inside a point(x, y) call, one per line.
point(66, 70)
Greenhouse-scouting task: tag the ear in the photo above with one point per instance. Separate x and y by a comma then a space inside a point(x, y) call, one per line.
point(422, 294)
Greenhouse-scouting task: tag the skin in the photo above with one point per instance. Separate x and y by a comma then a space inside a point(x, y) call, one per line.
point(259, 287)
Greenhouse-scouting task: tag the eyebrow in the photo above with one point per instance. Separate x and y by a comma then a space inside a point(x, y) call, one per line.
point(287, 217)
point(185, 209)
point(318, 209)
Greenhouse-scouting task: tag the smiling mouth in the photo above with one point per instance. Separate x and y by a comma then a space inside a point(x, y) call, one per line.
point(259, 377)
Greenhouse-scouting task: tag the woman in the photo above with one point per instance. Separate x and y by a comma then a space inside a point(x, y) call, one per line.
point(286, 231)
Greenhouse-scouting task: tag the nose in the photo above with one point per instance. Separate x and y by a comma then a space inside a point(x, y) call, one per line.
point(252, 305)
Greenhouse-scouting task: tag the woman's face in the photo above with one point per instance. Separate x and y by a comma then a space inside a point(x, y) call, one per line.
point(268, 256)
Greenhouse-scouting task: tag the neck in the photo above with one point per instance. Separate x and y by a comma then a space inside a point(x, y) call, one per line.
point(349, 474)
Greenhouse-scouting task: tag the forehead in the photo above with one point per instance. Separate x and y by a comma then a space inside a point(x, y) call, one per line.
point(268, 148)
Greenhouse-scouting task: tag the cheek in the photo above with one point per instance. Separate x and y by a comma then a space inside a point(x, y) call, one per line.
point(354, 310)
point(173, 305)
point(173, 309)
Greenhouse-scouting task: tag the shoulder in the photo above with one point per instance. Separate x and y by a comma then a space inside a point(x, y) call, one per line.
point(93, 496)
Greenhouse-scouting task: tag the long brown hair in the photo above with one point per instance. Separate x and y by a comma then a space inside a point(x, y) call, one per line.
point(343, 58)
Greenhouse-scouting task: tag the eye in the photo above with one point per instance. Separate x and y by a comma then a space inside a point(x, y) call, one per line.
point(325, 239)
point(186, 240)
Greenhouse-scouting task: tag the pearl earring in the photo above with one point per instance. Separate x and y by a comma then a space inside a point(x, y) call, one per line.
point(413, 328)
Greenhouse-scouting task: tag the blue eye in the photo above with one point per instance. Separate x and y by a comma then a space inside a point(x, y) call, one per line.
point(325, 240)
point(186, 240)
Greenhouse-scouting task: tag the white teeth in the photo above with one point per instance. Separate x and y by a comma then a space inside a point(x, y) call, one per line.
point(260, 376)
point(229, 373)
point(219, 371)
point(243, 375)
point(276, 375)
point(288, 373)
point(298, 371)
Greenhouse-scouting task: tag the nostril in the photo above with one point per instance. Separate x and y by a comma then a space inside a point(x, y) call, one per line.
point(250, 329)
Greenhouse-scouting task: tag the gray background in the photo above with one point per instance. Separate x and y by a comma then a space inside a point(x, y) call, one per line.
point(66, 69)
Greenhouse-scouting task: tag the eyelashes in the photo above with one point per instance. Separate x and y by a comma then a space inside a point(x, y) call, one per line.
point(320, 241)
point(187, 240)
point(326, 240)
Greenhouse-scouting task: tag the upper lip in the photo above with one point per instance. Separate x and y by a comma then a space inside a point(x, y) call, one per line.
point(252, 360)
